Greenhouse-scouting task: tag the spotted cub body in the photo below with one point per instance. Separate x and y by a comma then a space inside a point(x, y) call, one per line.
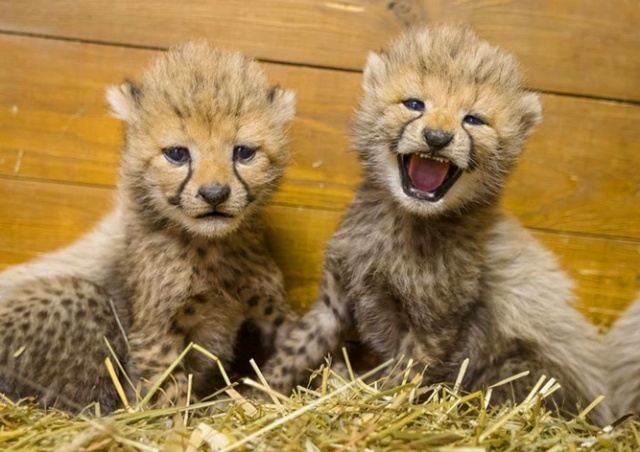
point(425, 264)
point(181, 259)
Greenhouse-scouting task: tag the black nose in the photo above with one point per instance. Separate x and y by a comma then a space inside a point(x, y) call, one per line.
point(436, 138)
point(215, 194)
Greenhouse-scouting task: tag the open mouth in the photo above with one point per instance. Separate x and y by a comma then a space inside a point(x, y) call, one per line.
point(425, 177)
point(214, 214)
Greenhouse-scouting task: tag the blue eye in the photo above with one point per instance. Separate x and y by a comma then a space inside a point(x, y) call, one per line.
point(473, 120)
point(413, 104)
point(177, 155)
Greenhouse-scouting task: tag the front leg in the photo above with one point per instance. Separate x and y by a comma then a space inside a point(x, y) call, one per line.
point(318, 333)
point(411, 350)
point(268, 309)
point(153, 348)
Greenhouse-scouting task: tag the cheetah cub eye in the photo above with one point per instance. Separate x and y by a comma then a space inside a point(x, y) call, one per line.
point(177, 155)
point(244, 154)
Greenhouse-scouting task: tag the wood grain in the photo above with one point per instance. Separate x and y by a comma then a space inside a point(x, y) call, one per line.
point(578, 174)
point(577, 46)
point(38, 217)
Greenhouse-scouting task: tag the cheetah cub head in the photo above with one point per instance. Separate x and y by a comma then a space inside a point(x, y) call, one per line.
point(206, 139)
point(442, 120)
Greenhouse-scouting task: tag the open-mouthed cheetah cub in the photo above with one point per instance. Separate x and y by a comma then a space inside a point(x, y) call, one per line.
point(181, 259)
point(623, 362)
point(425, 264)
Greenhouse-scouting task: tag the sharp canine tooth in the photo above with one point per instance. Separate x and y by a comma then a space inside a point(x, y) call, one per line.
point(422, 155)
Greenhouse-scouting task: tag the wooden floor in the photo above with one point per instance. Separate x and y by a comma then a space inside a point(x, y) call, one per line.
point(577, 188)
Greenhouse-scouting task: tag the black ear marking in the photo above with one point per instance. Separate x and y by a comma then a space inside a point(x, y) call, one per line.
point(134, 89)
point(271, 94)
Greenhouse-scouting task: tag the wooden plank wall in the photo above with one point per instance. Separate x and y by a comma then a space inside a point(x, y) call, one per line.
point(577, 187)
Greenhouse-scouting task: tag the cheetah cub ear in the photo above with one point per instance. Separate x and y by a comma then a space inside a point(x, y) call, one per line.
point(530, 112)
point(374, 70)
point(124, 100)
point(284, 103)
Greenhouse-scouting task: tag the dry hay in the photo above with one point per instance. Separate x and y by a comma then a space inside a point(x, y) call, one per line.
point(343, 413)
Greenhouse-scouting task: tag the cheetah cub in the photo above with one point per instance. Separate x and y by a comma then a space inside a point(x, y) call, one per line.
point(181, 259)
point(425, 264)
point(623, 359)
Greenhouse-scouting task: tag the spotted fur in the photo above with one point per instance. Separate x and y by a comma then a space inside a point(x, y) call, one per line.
point(442, 281)
point(169, 266)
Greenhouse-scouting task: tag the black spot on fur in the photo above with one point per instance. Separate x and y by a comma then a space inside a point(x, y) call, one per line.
point(326, 300)
point(268, 310)
point(42, 315)
point(302, 350)
point(278, 321)
point(154, 364)
point(66, 302)
point(177, 111)
point(176, 329)
point(201, 251)
point(166, 348)
point(189, 310)
point(253, 301)
point(199, 298)
point(322, 341)
point(81, 313)
point(93, 303)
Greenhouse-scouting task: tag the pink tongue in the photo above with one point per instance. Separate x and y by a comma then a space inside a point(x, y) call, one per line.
point(427, 174)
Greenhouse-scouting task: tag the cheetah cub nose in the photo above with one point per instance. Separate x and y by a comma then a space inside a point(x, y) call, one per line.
point(215, 194)
point(437, 138)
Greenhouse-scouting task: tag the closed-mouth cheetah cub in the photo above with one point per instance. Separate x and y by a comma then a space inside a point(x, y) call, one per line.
point(181, 259)
point(425, 264)
point(623, 362)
